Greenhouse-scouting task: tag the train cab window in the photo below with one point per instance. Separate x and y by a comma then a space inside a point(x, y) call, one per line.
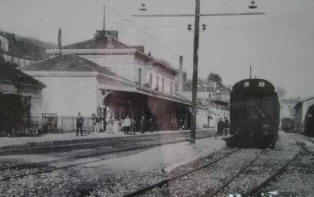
point(261, 84)
point(246, 84)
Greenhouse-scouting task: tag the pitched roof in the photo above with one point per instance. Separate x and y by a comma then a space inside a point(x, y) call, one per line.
point(69, 62)
point(97, 44)
point(9, 73)
point(102, 41)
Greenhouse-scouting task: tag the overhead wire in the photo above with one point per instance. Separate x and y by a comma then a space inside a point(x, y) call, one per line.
point(150, 35)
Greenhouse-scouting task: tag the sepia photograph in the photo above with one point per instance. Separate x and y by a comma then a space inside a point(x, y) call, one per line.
point(174, 98)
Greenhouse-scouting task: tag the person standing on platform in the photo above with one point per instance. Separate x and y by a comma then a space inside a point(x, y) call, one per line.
point(110, 124)
point(226, 126)
point(126, 125)
point(220, 127)
point(79, 124)
point(97, 125)
point(143, 124)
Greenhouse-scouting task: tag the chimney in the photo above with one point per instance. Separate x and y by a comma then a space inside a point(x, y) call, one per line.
point(60, 41)
point(180, 74)
point(140, 48)
point(104, 20)
point(181, 64)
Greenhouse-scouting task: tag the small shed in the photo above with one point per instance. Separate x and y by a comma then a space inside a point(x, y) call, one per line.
point(20, 99)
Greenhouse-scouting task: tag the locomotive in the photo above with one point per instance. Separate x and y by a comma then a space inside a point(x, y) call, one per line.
point(288, 124)
point(254, 113)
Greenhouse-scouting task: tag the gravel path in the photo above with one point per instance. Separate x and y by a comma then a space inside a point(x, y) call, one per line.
point(99, 180)
point(209, 179)
point(297, 180)
point(206, 181)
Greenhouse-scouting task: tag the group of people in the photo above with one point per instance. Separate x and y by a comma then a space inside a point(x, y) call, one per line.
point(222, 127)
point(127, 125)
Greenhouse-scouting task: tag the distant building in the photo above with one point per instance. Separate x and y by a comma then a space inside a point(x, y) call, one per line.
point(10, 55)
point(212, 96)
point(304, 116)
point(287, 109)
point(20, 100)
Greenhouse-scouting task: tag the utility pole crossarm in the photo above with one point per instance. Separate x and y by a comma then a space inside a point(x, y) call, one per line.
point(205, 14)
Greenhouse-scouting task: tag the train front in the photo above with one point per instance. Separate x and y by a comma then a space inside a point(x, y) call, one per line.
point(254, 113)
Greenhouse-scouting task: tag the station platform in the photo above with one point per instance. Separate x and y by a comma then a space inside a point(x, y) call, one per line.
point(49, 141)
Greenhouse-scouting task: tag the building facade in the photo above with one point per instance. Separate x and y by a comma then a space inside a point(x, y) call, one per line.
point(304, 116)
point(212, 98)
point(107, 79)
point(9, 56)
point(130, 62)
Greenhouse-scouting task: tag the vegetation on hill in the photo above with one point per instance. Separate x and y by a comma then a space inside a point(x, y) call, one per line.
point(26, 47)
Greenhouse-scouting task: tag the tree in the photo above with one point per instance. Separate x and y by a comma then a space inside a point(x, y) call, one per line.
point(214, 77)
point(281, 92)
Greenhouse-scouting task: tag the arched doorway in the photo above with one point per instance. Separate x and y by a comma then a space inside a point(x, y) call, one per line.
point(309, 121)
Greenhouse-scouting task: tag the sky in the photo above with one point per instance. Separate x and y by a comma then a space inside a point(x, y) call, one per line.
point(279, 45)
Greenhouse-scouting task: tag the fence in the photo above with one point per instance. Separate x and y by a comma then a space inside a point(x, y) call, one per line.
point(68, 123)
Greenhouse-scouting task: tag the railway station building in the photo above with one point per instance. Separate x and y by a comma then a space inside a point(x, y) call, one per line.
point(103, 77)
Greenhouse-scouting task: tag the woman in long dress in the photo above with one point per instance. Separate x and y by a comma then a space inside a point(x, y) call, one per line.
point(116, 126)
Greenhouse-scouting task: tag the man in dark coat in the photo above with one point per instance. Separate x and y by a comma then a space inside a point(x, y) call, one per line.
point(79, 124)
point(220, 127)
point(143, 124)
point(226, 126)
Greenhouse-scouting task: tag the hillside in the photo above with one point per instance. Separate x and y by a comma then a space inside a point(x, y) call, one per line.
point(26, 47)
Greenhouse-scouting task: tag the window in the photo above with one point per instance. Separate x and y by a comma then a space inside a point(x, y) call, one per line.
point(150, 80)
point(157, 82)
point(171, 88)
point(246, 84)
point(139, 76)
point(261, 84)
point(163, 85)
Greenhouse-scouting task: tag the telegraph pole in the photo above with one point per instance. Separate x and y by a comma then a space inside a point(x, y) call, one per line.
point(195, 48)
point(195, 69)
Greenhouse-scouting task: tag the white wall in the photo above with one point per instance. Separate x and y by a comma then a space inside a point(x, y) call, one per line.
point(4, 43)
point(306, 106)
point(67, 96)
point(127, 65)
point(216, 112)
point(204, 96)
point(110, 60)
point(36, 106)
point(201, 118)
point(123, 64)
point(17, 60)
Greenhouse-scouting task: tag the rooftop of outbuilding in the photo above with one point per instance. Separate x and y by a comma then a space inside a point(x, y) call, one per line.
point(9, 73)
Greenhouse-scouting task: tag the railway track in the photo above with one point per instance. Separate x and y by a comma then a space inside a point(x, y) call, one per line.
point(161, 183)
point(311, 140)
point(218, 190)
point(258, 188)
point(44, 167)
point(240, 172)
